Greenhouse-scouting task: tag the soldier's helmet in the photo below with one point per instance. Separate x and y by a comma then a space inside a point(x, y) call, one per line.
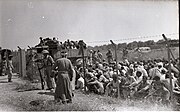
point(45, 52)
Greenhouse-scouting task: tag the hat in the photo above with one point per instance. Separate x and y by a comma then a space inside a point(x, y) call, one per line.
point(64, 53)
point(160, 64)
point(91, 51)
point(105, 63)
point(45, 52)
point(135, 65)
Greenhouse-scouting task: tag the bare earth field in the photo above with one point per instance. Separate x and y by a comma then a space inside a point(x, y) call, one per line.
point(21, 95)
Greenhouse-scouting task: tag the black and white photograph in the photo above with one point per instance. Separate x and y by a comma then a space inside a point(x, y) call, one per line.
point(89, 55)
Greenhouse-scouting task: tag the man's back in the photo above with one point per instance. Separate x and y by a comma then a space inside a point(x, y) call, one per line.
point(64, 64)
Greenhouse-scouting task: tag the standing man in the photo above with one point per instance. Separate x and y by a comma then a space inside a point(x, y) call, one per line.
point(9, 68)
point(100, 56)
point(48, 63)
point(90, 57)
point(109, 56)
point(63, 89)
point(125, 53)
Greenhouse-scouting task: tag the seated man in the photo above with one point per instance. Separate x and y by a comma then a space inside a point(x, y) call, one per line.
point(158, 91)
point(112, 88)
point(142, 89)
point(133, 86)
point(93, 85)
point(176, 91)
point(103, 80)
point(129, 79)
point(175, 86)
point(80, 79)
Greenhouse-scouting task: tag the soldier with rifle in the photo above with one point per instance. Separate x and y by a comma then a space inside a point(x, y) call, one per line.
point(48, 62)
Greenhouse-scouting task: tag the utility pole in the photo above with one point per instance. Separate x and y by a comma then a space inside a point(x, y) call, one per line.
point(169, 68)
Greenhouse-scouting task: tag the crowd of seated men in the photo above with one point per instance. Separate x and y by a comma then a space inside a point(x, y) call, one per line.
point(133, 80)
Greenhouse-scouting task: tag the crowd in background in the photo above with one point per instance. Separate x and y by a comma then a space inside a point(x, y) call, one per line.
point(129, 80)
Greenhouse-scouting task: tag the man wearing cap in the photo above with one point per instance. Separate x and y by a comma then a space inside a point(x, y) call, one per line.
point(48, 63)
point(63, 89)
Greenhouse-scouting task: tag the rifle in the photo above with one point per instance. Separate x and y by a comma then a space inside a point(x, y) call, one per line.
point(42, 81)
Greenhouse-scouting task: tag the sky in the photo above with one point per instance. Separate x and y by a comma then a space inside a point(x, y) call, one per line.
point(22, 22)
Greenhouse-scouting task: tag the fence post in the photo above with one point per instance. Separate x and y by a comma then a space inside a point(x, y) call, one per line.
point(22, 62)
point(115, 46)
point(115, 55)
point(169, 68)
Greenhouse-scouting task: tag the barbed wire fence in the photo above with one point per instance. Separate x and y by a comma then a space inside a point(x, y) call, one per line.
point(171, 36)
point(136, 38)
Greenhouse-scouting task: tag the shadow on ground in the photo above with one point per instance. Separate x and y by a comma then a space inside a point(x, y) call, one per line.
point(29, 90)
point(46, 93)
point(3, 81)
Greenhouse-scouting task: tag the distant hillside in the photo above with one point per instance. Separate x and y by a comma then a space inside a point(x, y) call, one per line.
point(135, 44)
point(158, 49)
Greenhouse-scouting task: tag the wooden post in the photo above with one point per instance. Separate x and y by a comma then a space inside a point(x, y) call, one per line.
point(19, 58)
point(82, 52)
point(31, 60)
point(22, 62)
point(115, 55)
point(169, 68)
point(116, 63)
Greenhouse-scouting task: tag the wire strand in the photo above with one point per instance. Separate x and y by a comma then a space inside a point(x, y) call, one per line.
point(139, 37)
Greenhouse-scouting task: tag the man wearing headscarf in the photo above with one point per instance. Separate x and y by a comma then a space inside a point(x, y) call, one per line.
point(63, 89)
point(157, 70)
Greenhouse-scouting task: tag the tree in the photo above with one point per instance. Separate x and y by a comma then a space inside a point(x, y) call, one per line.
point(149, 43)
point(132, 45)
point(121, 46)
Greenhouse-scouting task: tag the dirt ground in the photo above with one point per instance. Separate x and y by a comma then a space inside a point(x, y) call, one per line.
point(21, 95)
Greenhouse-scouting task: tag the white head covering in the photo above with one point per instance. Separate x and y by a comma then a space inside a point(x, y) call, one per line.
point(45, 52)
point(63, 53)
point(160, 63)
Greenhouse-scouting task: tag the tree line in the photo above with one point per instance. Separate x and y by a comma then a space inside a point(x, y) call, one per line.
point(135, 44)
